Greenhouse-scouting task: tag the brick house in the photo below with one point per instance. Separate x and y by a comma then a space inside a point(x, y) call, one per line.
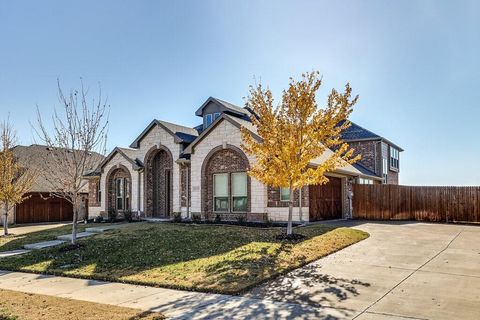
point(380, 157)
point(172, 169)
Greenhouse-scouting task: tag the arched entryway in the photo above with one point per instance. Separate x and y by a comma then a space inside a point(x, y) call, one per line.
point(226, 184)
point(119, 189)
point(158, 183)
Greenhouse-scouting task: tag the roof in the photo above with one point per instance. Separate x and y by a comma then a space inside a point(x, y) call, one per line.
point(237, 122)
point(128, 154)
point(358, 133)
point(179, 132)
point(33, 157)
point(360, 167)
point(227, 105)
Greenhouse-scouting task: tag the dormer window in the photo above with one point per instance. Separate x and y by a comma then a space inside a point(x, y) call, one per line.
point(208, 120)
point(210, 117)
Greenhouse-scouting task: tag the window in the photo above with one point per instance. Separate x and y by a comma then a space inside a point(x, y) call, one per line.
point(220, 192)
point(99, 192)
point(119, 192)
point(216, 115)
point(239, 191)
point(122, 194)
point(385, 170)
point(365, 181)
point(208, 120)
point(284, 194)
point(394, 158)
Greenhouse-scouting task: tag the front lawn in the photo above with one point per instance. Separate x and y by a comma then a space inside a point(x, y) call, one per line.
point(17, 241)
point(26, 306)
point(212, 258)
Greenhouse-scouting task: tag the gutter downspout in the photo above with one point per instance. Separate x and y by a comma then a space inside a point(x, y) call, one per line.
point(139, 212)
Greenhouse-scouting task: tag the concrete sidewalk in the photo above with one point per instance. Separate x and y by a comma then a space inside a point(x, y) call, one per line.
point(174, 304)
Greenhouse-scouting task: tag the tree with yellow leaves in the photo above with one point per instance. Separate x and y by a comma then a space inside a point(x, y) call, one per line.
point(295, 133)
point(15, 180)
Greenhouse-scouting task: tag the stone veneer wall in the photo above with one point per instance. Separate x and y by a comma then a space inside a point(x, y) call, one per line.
point(157, 166)
point(228, 160)
point(121, 172)
point(92, 193)
point(156, 136)
point(222, 135)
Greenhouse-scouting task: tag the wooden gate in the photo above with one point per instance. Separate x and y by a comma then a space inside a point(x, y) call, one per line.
point(325, 201)
point(37, 209)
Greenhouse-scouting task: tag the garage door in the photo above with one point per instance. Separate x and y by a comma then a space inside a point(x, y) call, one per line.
point(326, 200)
point(37, 209)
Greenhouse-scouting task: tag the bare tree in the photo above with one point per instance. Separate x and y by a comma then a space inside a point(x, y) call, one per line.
point(15, 180)
point(76, 138)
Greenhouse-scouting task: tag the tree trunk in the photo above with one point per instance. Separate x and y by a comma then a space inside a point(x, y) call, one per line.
point(5, 219)
point(290, 213)
point(74, 224)
point(300, 211)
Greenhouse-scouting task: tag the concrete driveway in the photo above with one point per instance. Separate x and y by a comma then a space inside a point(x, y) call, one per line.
point(404, 270)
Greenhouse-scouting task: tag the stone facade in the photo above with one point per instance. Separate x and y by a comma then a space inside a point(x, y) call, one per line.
point(158, 183)
point(93, 200)
point(119, 172)
point(225, 135)
point(223, 160)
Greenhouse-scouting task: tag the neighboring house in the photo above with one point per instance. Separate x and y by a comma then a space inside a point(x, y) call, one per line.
point(40, 206)
point(172, 169)
point(380, 157)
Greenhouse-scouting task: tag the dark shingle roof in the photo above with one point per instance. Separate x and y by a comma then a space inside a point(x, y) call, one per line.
point(187, 138)
point(364, 169)
point(356, 132)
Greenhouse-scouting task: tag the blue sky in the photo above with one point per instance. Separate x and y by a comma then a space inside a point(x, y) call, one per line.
point(415, 65)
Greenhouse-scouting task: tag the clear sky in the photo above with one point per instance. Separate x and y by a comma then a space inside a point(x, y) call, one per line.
point(415, 65)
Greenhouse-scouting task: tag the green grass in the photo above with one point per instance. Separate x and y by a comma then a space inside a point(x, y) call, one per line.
point(211, 258)
point(13, 241)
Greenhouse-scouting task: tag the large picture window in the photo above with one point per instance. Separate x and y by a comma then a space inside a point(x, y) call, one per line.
point(239, 191)
point(220, 192)
point(230, 192)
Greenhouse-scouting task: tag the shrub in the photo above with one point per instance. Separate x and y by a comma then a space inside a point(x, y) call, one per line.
point(269, 223)
point(98, 219)
point(112, 214)
point(218, 218)
point(128, 215)
point(241, 219)
point(196, 218)
point(177, 217)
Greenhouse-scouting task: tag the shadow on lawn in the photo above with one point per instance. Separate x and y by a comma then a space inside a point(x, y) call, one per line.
point(131, 251)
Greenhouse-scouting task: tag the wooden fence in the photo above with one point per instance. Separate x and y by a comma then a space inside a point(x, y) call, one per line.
point(394, 202)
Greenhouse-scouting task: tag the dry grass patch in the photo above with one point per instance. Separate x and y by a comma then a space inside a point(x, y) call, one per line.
point(27, 306)
point(211, 258)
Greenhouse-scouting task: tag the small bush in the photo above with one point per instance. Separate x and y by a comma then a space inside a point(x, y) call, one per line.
point(196, 218)
point(177, 217)
point(218, 218)
point(241, 220)
point(128, 215)
point(269, 223)
point(98, 219)
point(112, 214)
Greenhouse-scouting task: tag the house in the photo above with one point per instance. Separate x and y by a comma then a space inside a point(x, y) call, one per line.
point(40, 206)
point(380, 157)
point(172, 169)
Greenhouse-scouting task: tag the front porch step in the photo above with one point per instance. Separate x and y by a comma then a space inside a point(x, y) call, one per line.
point(68, 237)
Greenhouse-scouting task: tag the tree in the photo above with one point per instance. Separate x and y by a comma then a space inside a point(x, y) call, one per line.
point(295, 133)
point(15, 180)
point(76, 140)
